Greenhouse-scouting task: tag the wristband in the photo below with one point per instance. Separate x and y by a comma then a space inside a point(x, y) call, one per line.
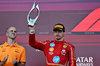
point(32, 31)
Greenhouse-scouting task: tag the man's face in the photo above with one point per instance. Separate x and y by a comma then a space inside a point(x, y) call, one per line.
point(58, 35)
point(11, 33)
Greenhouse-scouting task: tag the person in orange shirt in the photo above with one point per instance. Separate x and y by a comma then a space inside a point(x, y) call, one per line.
point(12, 54)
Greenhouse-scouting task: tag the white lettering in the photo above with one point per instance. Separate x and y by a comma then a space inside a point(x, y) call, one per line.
point(84, 64)
point(91, 59)
point(78, 59)
point(82, 59)
point(85, 60)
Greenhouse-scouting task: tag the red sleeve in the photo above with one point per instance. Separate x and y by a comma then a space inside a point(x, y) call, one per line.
point(72, 61)
point(36, 44)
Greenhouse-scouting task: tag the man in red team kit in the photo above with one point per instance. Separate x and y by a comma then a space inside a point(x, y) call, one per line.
point(57, 52)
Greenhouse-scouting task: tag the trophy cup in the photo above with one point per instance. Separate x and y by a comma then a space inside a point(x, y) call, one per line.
point(31, 21)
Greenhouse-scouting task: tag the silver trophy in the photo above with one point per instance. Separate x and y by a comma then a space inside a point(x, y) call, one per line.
point(31, 21)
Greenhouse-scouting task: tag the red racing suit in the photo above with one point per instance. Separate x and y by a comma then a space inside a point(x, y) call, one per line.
point(58, 53)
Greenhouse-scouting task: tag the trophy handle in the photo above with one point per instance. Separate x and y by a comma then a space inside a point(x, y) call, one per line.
point(31, 21)
point(37, 7)
point(28, 16)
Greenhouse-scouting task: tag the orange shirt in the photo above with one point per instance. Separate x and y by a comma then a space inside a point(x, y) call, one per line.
point(14, 51)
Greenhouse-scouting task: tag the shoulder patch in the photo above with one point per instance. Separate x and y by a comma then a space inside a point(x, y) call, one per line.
point(20, 46)
point(1, 45)
point(66, 43)
point(45, 42)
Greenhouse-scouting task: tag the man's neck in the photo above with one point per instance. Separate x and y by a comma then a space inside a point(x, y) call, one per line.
point(11, 41)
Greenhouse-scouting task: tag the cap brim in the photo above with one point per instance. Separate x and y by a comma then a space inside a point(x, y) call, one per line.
point(57, 29)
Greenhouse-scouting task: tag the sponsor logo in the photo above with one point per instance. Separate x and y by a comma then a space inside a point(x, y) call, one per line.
point(52, 44)
point(84, 61)
point(64, 46)
point(51, 53)
point(90, 24)
point(63, 52)
point(56, 59)
point(4, 50)
point(16, 51)
point(51, 49)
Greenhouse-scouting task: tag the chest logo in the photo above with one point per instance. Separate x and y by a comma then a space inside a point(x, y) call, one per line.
point(63, 52)
point(56, 59)
point(52, 44)
point(51, 53)
point(64, 46)
point(17, 51)
point(4, 50)
point(51, 49)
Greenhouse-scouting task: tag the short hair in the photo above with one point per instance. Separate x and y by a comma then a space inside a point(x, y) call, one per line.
point(8, 29)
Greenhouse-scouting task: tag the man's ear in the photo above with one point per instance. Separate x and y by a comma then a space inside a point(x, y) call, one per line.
point(6, 34)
